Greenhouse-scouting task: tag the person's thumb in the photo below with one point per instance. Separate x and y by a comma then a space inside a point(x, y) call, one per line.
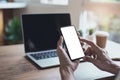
point(89, 59)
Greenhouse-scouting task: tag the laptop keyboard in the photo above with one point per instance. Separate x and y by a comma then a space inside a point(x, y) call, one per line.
point(44, 55)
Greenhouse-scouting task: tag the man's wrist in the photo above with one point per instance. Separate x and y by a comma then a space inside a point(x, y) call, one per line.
point(115, 69)
point(67, 73)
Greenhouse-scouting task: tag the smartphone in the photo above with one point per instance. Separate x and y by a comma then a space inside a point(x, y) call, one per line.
point(72, 43)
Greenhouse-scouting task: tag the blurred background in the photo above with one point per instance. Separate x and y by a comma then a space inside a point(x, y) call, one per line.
point(88, 16)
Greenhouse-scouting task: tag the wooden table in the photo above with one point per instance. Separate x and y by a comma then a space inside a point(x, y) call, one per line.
point(14, 66)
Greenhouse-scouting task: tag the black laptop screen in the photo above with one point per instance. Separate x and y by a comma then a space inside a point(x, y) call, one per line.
point(40, 31)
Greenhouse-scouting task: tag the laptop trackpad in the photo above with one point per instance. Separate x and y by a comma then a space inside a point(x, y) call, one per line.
point(44, 63)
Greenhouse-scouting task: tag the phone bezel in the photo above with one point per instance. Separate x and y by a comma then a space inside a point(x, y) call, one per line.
point(66, 45)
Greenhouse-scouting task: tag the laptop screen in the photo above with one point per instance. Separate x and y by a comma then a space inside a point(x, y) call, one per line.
point(40, 31)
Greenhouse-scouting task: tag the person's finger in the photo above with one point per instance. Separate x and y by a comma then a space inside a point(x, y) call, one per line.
point(90, 43)
point(82, 43)
point(95, 56)
point(78, 33)
point(59, 46)
point(87, 41)
point(83, 49)
point(76, 63)
point(60, 41)
point(61, 51)
point(89, 59)
point(88, 51)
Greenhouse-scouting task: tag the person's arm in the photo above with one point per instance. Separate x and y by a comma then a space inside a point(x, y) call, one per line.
point(114, 68)
point(67, 67)
point(99, 58)
point(66, 74)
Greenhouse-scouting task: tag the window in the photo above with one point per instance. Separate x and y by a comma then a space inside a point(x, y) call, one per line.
point(105, 22)
point(55, 2)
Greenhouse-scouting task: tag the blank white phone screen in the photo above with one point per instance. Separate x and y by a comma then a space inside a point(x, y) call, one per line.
point(72, 42)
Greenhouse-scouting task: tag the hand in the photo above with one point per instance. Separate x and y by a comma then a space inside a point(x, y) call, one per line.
point(99, 58)
point(67, 67)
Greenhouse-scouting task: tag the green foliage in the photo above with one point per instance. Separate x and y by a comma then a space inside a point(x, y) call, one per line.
point(13, 32)
point(91, 31)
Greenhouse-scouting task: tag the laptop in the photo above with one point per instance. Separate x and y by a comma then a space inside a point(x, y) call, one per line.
point(40, 33)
